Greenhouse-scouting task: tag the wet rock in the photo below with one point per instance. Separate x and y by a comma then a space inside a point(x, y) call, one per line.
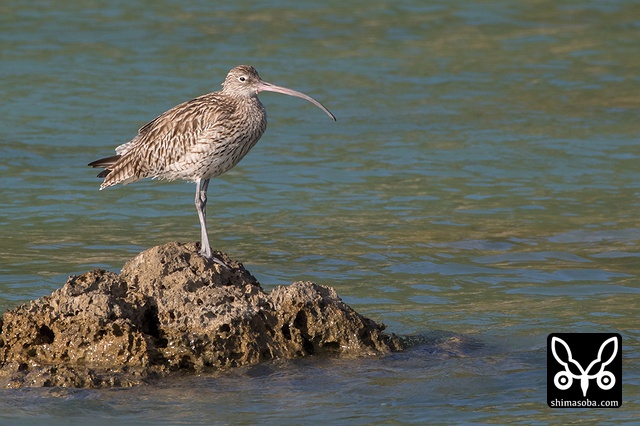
point(171, 310)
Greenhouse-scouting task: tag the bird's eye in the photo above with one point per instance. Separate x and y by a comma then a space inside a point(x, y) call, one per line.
point(242, 78)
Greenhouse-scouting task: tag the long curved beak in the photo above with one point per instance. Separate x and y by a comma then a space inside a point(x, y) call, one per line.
point(263, 86)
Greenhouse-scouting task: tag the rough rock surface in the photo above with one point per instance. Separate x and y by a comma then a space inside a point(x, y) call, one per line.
point(172, 310)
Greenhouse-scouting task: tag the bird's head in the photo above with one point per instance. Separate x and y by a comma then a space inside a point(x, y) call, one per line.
point(244, 80)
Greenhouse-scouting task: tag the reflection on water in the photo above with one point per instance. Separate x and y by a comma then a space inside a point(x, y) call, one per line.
point(481, 179)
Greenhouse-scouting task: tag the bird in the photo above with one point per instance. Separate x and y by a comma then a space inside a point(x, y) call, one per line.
point(198, 140)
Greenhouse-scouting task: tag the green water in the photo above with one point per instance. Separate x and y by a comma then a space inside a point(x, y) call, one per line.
point(482, 179)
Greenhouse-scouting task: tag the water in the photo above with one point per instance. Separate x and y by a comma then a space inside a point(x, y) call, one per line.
point(482, 180)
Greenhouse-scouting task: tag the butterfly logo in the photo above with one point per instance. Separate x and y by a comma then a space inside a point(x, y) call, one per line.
point(573, 370)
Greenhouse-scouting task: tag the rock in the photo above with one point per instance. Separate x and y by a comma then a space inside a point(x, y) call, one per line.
point(172, 310)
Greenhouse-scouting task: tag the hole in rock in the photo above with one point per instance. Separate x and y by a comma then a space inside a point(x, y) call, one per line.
point(286, 331)
point(45, 335)
point(151, 322)
point(117, 331)
point(301, 320)
point(308, 346)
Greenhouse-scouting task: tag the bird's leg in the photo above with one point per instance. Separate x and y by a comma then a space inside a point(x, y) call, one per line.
point(201, 207)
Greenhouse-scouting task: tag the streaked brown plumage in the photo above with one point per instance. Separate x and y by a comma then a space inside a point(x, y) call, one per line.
point(198, 139)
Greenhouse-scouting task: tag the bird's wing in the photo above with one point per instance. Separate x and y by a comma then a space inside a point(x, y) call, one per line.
point(185, 118)
point(177, 132)
point(163, 145)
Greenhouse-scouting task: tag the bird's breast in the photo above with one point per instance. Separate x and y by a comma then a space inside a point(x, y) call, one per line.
point(231, 139)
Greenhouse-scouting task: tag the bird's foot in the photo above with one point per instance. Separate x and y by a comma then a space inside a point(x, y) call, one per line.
point(207, 254)
point(219, 262)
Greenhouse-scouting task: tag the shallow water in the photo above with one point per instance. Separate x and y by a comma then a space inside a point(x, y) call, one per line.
point(482, 180)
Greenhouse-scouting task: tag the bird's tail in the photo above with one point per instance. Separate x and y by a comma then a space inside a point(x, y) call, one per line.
point(115, 171)
point(105, 163)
